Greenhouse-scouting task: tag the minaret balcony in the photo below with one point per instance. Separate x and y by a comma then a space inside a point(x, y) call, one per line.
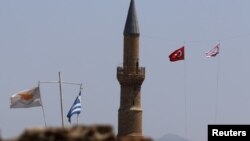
point(126, 76)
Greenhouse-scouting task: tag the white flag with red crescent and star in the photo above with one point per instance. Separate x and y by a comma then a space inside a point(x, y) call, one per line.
point(26, 99)
point(214, 51)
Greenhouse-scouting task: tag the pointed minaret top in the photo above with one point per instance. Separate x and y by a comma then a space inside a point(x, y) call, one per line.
point(132, 26)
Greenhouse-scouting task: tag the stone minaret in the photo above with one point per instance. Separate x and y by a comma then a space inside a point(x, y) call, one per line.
point(130, 77)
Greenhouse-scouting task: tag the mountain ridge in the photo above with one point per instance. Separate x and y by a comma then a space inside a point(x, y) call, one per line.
point(171, 137)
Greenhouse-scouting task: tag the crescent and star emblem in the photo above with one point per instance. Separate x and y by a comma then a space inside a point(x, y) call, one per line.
point(178, 53)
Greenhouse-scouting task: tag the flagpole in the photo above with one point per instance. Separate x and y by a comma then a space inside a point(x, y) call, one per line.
point(44, 117)
point(81, 100)
point(42, 107)
point(185, 93)
point(61, 97)
point(217, 89)
point(0, 134)
point(81, 87)
point(77, 119)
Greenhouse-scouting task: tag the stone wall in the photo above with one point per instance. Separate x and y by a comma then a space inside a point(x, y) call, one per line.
point(74, 133)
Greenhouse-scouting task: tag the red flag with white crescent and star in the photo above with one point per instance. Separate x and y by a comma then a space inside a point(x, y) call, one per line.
point(177, 55)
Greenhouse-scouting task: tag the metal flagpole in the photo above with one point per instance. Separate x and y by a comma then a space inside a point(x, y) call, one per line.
point(217, 90)
point(185, 92)
point(44, 117)
point(81, 87)
point(80, 101)
point(77, 119)
point(61, 97)
point(0, 134)
point(43, 109)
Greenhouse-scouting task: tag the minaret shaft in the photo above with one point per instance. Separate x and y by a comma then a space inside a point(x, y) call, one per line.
point(130, 77)
point(131, 53)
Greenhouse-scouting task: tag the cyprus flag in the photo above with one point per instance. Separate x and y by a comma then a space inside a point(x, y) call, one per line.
point(26, 99)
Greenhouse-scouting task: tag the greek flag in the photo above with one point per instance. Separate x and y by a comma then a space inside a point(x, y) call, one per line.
point(75, 108)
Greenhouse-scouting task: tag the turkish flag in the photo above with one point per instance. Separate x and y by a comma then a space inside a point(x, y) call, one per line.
point(177, 55)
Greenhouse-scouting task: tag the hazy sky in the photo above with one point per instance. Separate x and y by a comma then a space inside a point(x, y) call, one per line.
point(84, 40)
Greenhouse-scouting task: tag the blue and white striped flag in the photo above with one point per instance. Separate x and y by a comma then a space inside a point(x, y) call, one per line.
point(75, 108)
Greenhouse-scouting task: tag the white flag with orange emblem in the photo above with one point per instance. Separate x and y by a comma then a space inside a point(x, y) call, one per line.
point(26, 99)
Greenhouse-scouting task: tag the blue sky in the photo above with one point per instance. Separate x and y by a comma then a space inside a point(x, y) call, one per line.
point(84, 40)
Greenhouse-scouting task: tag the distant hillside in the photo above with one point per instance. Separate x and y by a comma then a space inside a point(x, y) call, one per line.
point(171, 137)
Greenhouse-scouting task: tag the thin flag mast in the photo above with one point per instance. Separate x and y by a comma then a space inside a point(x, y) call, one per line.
point(61, 97)
point(60, 82)
point(0, 134)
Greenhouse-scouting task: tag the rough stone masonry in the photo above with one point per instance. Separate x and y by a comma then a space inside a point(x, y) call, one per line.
point(74, 133)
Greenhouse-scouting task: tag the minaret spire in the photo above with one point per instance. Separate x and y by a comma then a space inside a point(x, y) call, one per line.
point(131, 26)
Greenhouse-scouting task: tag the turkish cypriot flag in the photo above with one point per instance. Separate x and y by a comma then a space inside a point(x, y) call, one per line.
point(26, 99)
